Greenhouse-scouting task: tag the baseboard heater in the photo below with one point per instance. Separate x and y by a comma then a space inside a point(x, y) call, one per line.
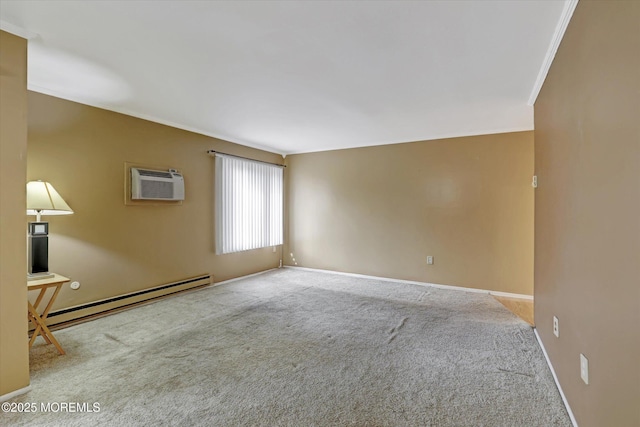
point(72, 315)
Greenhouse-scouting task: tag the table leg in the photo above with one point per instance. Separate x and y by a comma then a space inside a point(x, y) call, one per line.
point(45, 313)
point(42, 326)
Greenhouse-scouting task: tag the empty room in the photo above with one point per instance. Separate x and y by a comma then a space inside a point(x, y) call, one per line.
point(320, 213)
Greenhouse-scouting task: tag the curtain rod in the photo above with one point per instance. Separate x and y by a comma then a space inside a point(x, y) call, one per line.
point(214, 152)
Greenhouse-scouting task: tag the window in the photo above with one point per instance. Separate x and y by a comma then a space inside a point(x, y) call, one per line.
point(248, 204)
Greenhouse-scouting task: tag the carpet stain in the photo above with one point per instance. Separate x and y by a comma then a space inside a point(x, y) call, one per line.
point(113, 338)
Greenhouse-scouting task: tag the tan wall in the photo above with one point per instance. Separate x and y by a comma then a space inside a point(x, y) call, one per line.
point(110, 248)
point(587, 254)
point(14, 357)
point(381, 210)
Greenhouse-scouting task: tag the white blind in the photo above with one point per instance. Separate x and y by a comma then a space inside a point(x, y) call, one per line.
point(248, 204)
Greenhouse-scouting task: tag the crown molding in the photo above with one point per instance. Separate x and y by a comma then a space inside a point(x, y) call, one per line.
point(151, 118)
point(16, 30)
point(565, 17)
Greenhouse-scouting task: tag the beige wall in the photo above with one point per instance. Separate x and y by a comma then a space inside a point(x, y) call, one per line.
point(381, 210)
point(110, 248)
point(587, 254)
point(14, 357)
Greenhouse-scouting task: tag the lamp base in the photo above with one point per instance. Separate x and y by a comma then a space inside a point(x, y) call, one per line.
point(38, 250)
point(38, 276)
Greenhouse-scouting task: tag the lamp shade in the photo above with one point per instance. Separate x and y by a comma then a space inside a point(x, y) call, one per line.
point(43, 199)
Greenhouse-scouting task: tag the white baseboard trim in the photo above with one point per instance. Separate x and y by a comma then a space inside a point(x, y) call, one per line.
point(555, 378)
point(413, 282)
point(511, 295)
point(15, 393)
point(235, 279)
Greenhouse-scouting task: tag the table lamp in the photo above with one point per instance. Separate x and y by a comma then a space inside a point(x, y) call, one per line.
point(42, 199)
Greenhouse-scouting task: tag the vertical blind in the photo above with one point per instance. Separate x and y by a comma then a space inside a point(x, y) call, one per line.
point(248, 196)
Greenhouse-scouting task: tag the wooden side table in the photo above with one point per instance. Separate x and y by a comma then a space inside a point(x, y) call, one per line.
point(39, 319)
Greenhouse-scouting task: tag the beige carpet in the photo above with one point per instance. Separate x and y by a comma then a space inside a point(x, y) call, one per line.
point(299, 348)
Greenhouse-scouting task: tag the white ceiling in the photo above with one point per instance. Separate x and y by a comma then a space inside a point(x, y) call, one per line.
point(297, 76)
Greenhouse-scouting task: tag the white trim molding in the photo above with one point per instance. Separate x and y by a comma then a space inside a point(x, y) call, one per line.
point(15, 393)
point(565, 17)
point(235, 279)
point(511, 295)
point(555, 378)
point(17, 31)
point(413, 282)
point(116, 109)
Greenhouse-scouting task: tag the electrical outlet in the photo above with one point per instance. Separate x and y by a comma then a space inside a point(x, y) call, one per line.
point(584, 369)
point(430, 260)
point(556, 327)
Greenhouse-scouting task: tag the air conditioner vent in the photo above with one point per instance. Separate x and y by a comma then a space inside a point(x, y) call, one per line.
point(158, 174)
point(157, 189)
point(156, 185)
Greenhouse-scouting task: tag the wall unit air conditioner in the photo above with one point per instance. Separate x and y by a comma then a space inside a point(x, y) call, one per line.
point(156, 185)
